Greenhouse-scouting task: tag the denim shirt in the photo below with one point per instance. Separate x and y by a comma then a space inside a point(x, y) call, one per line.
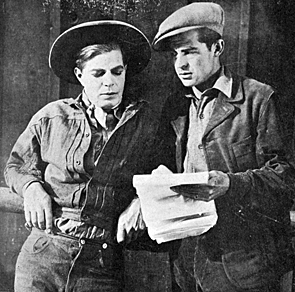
point(51, 151)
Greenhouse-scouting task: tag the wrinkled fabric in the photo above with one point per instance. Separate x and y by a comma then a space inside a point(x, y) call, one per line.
point(65, 265)
point(244, 139)
point(54, 150)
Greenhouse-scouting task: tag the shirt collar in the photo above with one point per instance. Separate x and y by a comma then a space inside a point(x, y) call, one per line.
point(100, 114)
point(224, 84)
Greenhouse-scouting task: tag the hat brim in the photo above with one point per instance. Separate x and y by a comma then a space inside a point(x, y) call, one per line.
point(63, 53)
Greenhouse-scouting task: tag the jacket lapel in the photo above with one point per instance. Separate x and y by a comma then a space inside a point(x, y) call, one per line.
point(224, 106)
point(222, 109)
point(180, 125)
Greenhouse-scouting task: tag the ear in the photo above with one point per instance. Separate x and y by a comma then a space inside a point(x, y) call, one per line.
point(219, 47)
point(78, 74)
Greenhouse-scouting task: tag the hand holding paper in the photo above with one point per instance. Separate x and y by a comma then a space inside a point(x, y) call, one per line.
point(218, 184)
point(130, 223)
point(168, 214)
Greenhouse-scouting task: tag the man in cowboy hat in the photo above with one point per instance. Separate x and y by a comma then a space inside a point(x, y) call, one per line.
point(227, 125)
point(73, 164)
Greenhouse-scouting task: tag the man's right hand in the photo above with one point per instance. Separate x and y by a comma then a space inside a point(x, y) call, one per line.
point(38, 207)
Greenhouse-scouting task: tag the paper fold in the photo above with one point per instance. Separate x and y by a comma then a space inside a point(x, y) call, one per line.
point(169, 215)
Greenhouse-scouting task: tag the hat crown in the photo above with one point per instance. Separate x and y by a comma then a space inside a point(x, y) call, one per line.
point(195, 15)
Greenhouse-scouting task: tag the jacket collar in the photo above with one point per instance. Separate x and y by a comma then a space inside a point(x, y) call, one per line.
point(223, 107)
point(227, 84)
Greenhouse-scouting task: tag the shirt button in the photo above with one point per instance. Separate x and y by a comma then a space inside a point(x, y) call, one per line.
point(202, 116)
point(78, 162)
point(200, 146)
point(87, 134)
point(85, 217)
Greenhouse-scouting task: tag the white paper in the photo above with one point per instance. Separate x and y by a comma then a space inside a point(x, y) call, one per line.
point(169, 215)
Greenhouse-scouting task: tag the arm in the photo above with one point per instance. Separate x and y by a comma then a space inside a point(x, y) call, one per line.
point(269, 188)
point(24, 175)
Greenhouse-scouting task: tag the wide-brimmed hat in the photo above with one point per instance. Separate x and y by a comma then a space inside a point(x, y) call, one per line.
point(63, 53)
point(192, 16)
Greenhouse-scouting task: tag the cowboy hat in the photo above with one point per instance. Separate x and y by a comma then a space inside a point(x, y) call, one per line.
point(63, 52)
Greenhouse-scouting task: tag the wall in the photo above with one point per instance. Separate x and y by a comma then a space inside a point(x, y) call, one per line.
point(26, 85)
point(259, 42)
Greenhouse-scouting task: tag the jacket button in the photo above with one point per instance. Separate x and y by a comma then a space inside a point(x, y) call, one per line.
point(87, 134)
point(200, 146)
point(78, 162)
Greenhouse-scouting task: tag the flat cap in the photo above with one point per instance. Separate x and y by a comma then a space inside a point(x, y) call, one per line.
point(63, 53)
point(195, 15)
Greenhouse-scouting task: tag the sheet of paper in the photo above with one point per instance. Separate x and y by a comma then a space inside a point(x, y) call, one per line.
point(169, 215)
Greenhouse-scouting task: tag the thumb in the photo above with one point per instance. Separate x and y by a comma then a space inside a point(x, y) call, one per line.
point(120, 234)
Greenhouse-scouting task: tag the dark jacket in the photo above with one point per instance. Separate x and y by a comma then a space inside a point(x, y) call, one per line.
point(244, 139)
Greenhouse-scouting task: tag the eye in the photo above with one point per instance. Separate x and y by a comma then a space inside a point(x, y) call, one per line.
point(118, 71)
point(192, 51)
point(98, 74)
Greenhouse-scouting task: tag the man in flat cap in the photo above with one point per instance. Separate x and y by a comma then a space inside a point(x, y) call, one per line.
point(227, 125)
point(73, 164)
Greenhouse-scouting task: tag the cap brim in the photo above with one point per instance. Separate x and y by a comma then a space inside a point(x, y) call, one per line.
point(160, 43)
point(63, 53)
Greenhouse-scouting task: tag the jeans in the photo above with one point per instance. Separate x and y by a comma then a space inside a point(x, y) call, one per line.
point(54, 263)
point(194, 271)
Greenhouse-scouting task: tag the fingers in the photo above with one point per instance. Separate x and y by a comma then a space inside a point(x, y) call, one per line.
point(38, 209)
point(48, 218)
point(120, 233)
point(28, 224)
point(130, 223)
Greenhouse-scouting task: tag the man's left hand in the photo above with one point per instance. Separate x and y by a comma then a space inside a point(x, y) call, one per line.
point(218, 185)
point(130, 224)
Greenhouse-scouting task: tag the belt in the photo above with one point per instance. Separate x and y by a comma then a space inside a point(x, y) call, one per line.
point(83, 240)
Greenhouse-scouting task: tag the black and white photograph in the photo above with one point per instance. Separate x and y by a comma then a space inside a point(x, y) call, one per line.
point(147, 146)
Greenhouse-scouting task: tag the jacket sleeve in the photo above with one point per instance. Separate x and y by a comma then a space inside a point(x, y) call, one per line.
point(270, 188)
point(25, 164)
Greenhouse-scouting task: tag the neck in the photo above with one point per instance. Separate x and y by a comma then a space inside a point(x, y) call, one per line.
point(210, 81)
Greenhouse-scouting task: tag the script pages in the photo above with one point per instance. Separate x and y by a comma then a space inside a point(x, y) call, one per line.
point(168, 214)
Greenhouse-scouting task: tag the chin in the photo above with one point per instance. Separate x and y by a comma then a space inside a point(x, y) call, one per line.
point(188, 83)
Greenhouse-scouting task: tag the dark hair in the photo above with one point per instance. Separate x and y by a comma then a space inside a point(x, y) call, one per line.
point(207, 36)
point(89, 52)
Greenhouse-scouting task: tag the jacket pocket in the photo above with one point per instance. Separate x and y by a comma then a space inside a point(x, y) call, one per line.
point(248, 270)
point(244, 152)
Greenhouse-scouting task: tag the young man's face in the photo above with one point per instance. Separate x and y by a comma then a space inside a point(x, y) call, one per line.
point(103, 79)
point(194, 63)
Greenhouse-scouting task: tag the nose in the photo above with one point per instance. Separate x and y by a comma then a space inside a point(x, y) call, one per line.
point(181, 62)
point(108, 79)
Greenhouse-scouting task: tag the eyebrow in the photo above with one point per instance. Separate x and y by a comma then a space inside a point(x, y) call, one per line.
point(115, 68)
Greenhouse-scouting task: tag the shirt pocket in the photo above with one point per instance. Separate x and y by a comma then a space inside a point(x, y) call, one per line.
point(244, 153)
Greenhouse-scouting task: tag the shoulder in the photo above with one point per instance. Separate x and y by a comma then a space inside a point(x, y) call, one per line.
point(254, 85)
point(251, 86)
point(66, 108)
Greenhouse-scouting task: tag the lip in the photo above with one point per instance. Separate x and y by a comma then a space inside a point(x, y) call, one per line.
point(185, 75)
point(108, 93)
